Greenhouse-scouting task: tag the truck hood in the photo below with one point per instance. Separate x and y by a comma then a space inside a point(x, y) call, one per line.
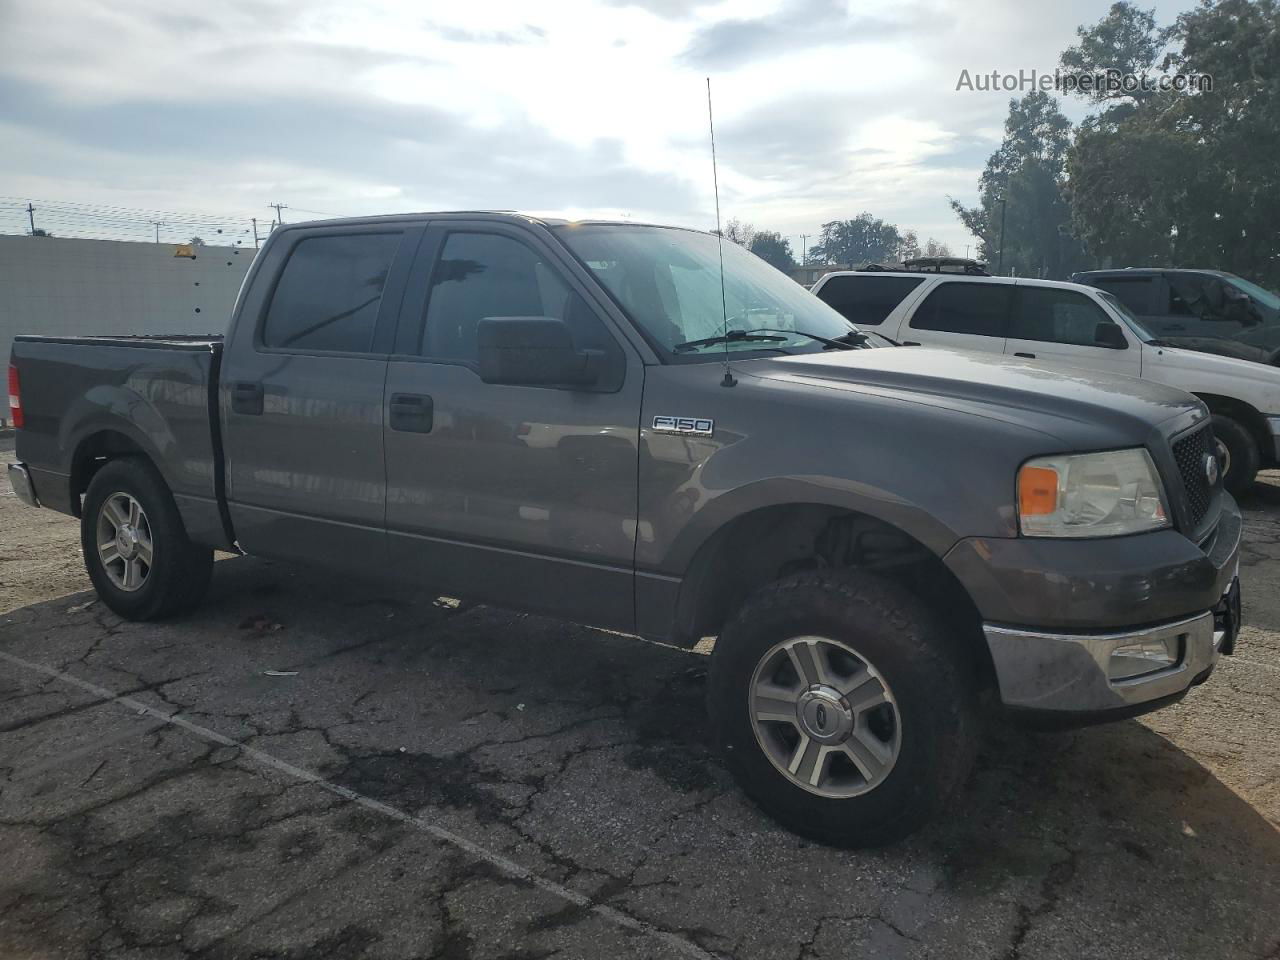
point(1068, 402)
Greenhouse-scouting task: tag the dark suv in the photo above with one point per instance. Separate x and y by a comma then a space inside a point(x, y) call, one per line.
point(1205, 310)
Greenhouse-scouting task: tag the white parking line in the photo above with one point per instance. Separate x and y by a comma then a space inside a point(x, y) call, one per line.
point(496, 860)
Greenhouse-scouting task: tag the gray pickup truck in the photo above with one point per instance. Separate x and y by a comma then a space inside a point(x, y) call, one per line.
point(592, 421)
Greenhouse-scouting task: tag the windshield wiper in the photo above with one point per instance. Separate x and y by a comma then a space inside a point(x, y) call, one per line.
point(733, 336)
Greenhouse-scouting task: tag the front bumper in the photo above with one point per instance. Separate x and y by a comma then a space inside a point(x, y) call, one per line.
point(1088, 674)
point(20, 480)
point(1088, 599)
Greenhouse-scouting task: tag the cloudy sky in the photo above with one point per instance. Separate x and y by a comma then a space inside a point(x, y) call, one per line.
point(823, 108)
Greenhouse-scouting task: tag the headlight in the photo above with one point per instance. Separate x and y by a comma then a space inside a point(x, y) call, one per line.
point(1091, 495)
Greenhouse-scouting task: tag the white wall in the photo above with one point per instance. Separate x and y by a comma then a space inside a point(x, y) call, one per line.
point(59, 287)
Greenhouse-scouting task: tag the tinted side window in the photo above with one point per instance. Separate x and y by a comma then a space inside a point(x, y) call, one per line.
point(977, 308)
point(328, 295)
point(866, 300)
point(1196, 295)
point(1056, 316)
point(1133, 292)
point(483, 275)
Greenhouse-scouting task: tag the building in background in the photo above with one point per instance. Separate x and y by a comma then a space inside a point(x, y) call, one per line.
point(62, 287)
point(810, 273)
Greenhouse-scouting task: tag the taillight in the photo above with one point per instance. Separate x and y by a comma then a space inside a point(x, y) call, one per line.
point(15, 397)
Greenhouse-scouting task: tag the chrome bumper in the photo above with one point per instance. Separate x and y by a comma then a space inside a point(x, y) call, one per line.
point(1073, 673)
point(20, 480)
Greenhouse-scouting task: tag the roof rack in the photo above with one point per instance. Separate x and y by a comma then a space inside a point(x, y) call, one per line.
point(959, 265)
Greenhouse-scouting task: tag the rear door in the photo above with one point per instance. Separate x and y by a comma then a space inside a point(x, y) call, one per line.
point(522, 495)
point(301, 390)
point(1052, 323)
point(964, 314)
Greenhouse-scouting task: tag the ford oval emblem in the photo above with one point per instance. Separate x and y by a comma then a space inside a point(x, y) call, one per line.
point(1211, 468)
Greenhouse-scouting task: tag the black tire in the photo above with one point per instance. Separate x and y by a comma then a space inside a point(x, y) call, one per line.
point(931, 680)
point(1244, 460)
point(180, 575)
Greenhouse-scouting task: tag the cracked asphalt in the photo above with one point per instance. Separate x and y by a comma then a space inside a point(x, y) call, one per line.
point(435, 779)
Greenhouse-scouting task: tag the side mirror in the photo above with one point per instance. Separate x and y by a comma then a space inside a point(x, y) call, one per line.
point(1109, 335)
point(533, 350)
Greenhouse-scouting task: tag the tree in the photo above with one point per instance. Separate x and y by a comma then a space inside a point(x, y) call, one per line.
point(771, 247)
point(936, 248)
point(1126, 41)
point(909, 247)
point(40, 232)
point(1189, 176)
point(196, 242)
point(864, 239)
point(739, 232)
point(1022, 203)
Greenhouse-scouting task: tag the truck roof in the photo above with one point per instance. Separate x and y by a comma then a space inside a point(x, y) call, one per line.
point(518, 216)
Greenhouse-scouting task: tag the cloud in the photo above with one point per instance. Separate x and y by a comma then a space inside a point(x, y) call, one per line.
point(403, 151)
point(527, 33)
point(801, 25)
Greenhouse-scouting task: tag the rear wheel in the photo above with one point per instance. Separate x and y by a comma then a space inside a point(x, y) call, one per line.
point(842, 707)
point(135, 547)
point(1237, 452)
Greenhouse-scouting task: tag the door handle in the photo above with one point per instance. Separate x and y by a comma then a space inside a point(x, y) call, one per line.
point(1029, 356)
point(411, 412)
point(911, 343)
point(246, 398)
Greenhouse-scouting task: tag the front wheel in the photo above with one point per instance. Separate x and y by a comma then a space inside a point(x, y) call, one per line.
point(1237, 453)
point(135, 545)
point(842, 708)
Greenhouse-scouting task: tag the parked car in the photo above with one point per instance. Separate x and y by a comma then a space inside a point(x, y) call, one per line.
point(1198, 309)
point(606, 423)
point(1075, 324)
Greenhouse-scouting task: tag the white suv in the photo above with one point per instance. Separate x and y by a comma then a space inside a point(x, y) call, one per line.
point(1067, 323)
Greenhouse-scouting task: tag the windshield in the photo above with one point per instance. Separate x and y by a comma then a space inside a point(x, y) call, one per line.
point(1260, 294)
point(668, 281)
point(1134, 323)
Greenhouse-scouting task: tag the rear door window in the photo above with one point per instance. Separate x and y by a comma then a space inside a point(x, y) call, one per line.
point(867, 299)
point(328, 294)
point(979, 309)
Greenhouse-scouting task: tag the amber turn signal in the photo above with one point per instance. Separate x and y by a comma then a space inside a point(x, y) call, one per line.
point(1037, 491)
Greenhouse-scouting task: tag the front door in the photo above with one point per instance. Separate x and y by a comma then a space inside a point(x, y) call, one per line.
point(521, 495)
point(302, 387)
point(1050, 323)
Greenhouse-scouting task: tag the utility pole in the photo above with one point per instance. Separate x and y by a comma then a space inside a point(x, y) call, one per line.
point(31, 215)
point(278, 207)
point(255, 233)
point(1004, 204)
point(157, 224)
point(804, 248)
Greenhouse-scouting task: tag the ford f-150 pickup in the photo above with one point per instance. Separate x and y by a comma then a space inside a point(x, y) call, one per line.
point(599, 422)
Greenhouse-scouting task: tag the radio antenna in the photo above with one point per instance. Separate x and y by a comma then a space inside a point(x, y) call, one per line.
point(728, 380)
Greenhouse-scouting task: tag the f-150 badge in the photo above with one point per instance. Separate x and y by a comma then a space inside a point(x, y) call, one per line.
point(684, 426)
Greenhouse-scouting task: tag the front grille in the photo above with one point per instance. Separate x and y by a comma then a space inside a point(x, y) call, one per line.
point(1189, 452)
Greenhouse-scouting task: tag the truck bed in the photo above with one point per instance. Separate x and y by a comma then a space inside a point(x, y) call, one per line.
point(88, 396)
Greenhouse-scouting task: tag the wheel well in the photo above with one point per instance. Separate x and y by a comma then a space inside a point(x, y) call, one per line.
point(774, 542)
point(1247, 416)
point(92, 454)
